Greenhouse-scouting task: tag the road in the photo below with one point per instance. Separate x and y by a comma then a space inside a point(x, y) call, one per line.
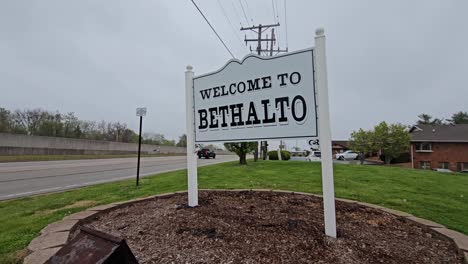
point(18, 179)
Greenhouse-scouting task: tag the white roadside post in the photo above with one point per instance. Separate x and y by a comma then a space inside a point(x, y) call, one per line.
point(279, 151)
point(325, 133)
point(192, 175)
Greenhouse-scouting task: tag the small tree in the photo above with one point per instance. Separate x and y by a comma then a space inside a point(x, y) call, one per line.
point(362, 142)
point(128, 135)
point(391, 140)
point(70, 124)
point(425, 119)
point(5, 120)
point(241, 149)
point(182, 141)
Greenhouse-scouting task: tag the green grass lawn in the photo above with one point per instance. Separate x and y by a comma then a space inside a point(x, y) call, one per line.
point(18, 158)
point(440, 197)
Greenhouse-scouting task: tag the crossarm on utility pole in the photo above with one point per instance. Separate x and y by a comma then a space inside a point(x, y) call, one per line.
point(259, 27)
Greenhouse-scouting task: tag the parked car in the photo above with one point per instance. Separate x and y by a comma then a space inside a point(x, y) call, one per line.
point(206, 153)
point(347, 155)
point(442, 170)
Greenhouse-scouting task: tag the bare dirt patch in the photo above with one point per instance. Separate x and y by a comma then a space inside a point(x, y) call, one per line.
point(83, 203)
point(16, 257)
point(268, 227)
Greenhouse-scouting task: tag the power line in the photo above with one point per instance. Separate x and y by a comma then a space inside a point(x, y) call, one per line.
point(237, 13)
point(277, 9)
point(243, 10)
point(274, 12)
point(276, 18)
point(248, 11)
point(286, 23)
point(220, 39)
point(229, 21)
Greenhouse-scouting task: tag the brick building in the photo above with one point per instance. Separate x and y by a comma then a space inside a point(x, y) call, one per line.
point(440, 146)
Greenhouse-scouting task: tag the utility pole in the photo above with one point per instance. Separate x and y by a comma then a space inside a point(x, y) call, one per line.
point(272, 42)
point(259, 30)
point(268, 52)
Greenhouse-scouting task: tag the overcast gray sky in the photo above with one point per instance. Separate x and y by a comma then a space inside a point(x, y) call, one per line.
point(387, 60)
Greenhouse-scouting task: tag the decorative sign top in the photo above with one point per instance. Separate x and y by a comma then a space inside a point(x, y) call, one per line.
point(257, 98)
point(141, 111)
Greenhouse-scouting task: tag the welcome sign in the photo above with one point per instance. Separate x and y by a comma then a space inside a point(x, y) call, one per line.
point(261, 98)
point(257, 98)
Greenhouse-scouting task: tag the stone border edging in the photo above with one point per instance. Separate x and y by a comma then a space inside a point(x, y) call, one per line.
point(55, 235)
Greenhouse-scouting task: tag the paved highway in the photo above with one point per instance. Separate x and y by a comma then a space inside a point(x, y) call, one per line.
point(19, 179)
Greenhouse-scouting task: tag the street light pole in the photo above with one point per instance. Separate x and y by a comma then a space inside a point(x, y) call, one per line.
point(140, 112)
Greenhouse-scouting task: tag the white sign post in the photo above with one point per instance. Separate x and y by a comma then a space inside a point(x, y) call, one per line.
point(259, 98)
point(141, 112)
point(192, 175)
point(328, 187)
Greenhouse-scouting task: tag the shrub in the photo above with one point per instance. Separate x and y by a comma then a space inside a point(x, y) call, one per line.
point(402, 158)
point(273, 155)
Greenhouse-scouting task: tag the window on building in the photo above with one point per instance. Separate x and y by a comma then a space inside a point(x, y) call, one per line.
point(462, 166)
point(424, 146)
point(425, 165)
point(443, 165)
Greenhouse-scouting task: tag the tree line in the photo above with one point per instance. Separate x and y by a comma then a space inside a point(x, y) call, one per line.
point(38, 122)
point(460, 117)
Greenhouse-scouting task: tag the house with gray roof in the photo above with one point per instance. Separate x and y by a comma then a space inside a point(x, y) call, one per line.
point(440, 146)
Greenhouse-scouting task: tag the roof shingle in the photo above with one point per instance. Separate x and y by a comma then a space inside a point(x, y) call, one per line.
point(440, 133)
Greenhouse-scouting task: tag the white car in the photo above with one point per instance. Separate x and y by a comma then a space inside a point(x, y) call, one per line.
point(347, 155)
point(442, 170)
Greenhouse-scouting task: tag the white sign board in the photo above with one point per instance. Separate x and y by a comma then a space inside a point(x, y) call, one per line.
point(257, 98)
point(141, 111)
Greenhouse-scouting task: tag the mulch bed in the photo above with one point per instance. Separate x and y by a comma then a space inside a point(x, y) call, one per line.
point(268, 227)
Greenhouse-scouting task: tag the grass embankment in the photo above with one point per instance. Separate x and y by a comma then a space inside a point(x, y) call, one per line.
point(19, 158)
point(440, 197)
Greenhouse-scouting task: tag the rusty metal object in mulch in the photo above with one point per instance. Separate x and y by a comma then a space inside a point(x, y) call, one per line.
point(92, 246)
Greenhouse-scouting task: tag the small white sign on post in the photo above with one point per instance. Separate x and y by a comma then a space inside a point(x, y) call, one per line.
point(259, 98)
point(141, 111)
